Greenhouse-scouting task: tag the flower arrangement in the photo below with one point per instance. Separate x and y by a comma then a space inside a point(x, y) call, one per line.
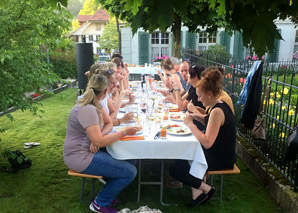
point(295, 57)
point(254, 58)
point(160, 58)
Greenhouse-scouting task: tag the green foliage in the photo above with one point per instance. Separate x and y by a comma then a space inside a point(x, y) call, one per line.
point(216, 51)
point(255, 19)
point(63, 60)
point(109, 38)
point(89, 7)
point(27, 29)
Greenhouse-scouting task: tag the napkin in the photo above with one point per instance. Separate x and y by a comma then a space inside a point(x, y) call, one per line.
point(174, 110)
point(131, 138)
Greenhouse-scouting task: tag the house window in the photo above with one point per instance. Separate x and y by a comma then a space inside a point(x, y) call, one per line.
point(212, 37)
point(97, 37)
point(203, 37)
point(206, 40)
point(159, 44)
point(98, 27)
point(164, 38)
point(90, 37)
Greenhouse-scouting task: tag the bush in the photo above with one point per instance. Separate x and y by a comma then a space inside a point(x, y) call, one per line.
point(63, 60)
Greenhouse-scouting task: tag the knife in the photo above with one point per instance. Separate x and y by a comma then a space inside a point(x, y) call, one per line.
point(157, 136)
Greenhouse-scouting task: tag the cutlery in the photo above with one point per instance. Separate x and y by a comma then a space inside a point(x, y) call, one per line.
point(157, 136)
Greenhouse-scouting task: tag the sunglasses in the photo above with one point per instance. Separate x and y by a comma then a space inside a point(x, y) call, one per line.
point(110, 71)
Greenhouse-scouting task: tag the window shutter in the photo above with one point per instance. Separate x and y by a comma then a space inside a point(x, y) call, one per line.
point(238, 51)
point(273, 57)
point(143, 48)
point(190, 41)
point(225, 40)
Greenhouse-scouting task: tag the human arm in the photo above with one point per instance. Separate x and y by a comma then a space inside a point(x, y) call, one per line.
point(216, 120)
point(96, 137)
point(127, 117)
point(108, 124)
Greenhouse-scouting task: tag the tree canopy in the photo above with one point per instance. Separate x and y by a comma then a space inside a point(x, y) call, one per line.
point(29, 27)
point(254, 18)
point(109, 38)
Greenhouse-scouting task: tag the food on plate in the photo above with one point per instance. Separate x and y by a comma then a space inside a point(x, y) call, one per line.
point(176, 117)
point(172, 125)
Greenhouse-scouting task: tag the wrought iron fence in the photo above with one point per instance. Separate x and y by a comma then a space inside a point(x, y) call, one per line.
point(281, 114)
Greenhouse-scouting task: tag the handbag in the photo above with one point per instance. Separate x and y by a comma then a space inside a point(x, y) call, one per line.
point(17, 160)
point(259, 129)
point(292, 148)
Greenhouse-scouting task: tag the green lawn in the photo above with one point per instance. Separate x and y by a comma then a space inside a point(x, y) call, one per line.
point(46, 187)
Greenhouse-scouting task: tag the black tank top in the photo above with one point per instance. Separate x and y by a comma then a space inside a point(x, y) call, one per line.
point(222, 154)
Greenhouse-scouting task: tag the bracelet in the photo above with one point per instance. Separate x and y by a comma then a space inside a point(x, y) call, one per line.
point(123, 132)
point(177, 90)
point(170, 91)
point(118, 121)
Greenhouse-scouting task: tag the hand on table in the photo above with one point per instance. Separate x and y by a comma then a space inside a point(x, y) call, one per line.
point(131, 130)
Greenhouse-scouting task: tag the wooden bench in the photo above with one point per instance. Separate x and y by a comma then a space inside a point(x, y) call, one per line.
point(235, 170)
point(84, 176)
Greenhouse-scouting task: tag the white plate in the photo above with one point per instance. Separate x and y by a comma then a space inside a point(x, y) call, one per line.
point(173, 131)
point(176, 117)
point(121, 128)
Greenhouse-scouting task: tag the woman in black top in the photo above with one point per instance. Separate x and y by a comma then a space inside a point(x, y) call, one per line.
point(218, 141)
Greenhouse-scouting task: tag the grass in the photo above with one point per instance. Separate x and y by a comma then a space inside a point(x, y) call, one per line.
point(46, 187)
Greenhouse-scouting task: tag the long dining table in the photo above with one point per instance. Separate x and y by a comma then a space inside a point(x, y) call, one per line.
point(175, 146)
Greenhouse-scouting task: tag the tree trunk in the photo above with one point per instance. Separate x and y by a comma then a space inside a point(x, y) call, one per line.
point(176, 29)
point(119, 35)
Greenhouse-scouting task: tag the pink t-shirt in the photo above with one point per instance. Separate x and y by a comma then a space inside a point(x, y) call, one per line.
point(76, 153)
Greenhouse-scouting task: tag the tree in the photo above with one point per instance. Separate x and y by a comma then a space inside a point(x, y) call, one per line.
point(255, 19)
point(89, 7)
point(75, 24)
point(29, 28)
point(109, 38)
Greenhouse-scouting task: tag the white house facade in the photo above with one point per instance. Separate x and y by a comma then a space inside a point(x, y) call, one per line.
point(92, 27)
point(144, 47)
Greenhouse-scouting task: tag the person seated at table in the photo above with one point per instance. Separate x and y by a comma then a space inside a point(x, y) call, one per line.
point(169, 77)
point(223, 95)
point(122, 75)
point(218, 141)
point(194, 77)
point(107, 69)
point(176, 63)
point(84, 140)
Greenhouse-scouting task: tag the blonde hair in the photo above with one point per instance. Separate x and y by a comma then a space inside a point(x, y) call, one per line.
point(96, 68)
point(111, 65)
point(96, 85)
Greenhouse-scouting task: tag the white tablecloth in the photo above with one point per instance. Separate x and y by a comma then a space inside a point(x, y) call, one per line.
point(143, 70)
point(174, 147)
